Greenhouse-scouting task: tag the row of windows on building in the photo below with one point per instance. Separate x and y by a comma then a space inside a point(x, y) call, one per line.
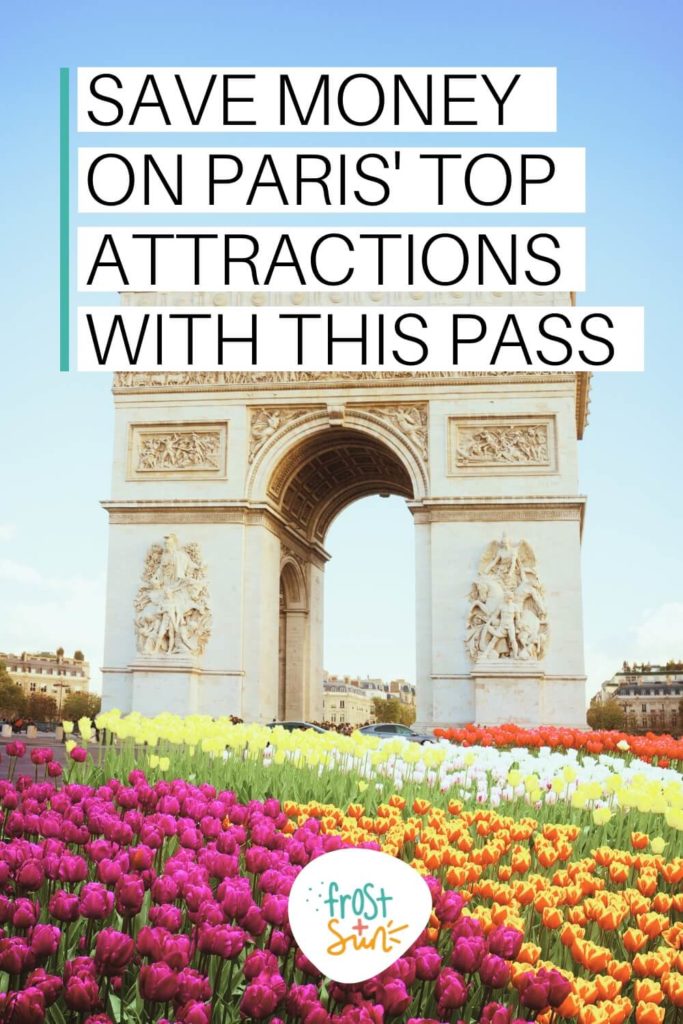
point(639, 691)
point(26, 670)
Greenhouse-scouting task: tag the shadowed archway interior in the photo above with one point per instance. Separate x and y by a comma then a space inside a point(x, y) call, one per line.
point(325, 473)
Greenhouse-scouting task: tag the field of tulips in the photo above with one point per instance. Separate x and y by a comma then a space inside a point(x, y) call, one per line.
point(149, 880)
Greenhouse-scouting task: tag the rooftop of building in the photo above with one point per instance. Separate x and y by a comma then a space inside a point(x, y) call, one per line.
point(28, 659)
point(645, 668)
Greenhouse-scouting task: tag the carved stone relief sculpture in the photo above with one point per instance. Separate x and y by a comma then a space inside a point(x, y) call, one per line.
point(266, 421)
point(172, 613)
point(490, 446)
point(179, 450)
point(409, 420)
point(508, 617)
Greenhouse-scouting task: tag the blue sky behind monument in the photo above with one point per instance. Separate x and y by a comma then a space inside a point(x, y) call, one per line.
point(619, 92)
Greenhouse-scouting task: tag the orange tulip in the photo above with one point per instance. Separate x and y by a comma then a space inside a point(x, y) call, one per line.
point(673, 871)
point(652, 924)
point(647, 883)
point(620, 969)
point(529, 953)
point(421, 806)
point(570, 932)
point(525, 893)
point(586, 989)
point(662, 903)
point(649, 1013)
point(649, 965)
point(607, 986)
point(552, 917)
point(634, 940)
point(456, 877)
point(645, 990)
point(618, 1010)
point(611, 918)
point(674, 936)
point(570, 1007)
point(619, 872)
point(593, 1015)
point(673, 986)
point(639, 840)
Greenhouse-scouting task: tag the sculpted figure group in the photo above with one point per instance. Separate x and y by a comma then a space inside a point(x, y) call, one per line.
point(508, 617)
point(172, 614)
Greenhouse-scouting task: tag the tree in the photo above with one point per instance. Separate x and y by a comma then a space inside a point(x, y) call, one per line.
point(607, 715)
point(41, 707)
point(80, 704)
point(392, 710)
point(385, 710)
point(12, 697)
point(79, 656)
point(60, 652)
point(407, 714)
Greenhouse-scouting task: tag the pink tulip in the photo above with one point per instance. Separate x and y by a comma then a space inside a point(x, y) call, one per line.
point(258, 1000)
point(158, 982)
point(81, 993)
point(23, 1007)
point(113, 951)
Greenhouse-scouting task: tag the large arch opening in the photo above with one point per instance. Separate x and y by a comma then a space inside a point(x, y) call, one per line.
point(369, 626)
point(311, 485)
point(330, 470)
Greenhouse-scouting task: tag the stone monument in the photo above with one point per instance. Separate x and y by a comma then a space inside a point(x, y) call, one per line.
point(224, 487)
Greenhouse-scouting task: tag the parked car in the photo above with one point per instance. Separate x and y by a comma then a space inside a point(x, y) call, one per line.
point(389, 730)
point(296, 726)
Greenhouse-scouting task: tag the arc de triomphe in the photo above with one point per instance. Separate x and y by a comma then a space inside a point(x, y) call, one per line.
point(224, 486)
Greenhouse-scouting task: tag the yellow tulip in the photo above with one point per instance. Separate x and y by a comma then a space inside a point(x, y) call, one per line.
point(68, 727)
point(85, 728)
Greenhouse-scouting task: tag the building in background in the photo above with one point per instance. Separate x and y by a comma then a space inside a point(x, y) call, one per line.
point(348, 700)
point(651, 696)
point(50, 673)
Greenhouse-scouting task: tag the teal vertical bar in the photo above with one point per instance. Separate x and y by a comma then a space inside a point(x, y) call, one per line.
point(64, 220)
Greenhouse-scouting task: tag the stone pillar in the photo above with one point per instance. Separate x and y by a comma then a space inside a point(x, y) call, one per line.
point(454, 689)
point(261, 620)
point(210, 683)
point(294, 621)
point(423, 625)
point(313, 704)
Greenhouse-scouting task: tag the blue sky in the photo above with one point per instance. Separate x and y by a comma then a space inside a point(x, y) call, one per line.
point(619, 85)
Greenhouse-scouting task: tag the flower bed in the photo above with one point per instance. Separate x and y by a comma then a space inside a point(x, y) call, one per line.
point(564, 785)
point(163, 900)
point(662, 748)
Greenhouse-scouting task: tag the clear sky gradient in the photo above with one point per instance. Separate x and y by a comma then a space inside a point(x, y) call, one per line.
point(619, 85)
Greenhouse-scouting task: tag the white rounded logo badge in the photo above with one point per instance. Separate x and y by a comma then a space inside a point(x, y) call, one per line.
point(354, 912)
